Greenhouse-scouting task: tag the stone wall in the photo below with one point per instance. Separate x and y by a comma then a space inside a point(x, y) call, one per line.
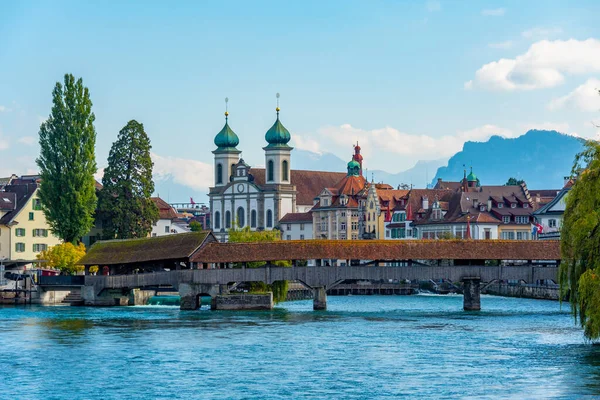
point(525, 291)
point(243, 302)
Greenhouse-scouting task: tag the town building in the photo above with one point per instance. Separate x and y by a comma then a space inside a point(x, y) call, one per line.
point(377, 210)
point(550, 216)
point(297, 226)
point(166, 217)
point(24, 230)
point(259, 198)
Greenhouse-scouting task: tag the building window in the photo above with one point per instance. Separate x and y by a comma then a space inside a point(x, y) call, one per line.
point(227, 220)
point(231, 173)
point(284, 171)
point(270, 171)
point(217, 220)
point(288, 237)
point(301, 227)
point(508, 235)
point(342, 226)
point(31, 216)
point(167, 229)
point(506, 219)
point(522, 235)
point(354, 236)
point(343, 213)
point(37, 247)
point(20, 232)
point(219, 173)
point(154, 235)
point(525, 205)
point(241, 217)
point(253, 219)
point(37, 204)
point(288, 227)
point(522, 219)
point(269, 219)
point(500, 205)
point(19, 247)
point(552, 223)
point(513, 205)
point(354, 225)
point(387, 233)
point(40, 233)
point(301, 237)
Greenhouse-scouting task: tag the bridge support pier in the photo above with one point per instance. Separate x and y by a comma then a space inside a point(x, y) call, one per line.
point(320, 298)
point(190, 294)
point(472, 294)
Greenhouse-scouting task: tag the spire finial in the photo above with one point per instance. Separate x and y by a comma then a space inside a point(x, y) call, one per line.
point(277, 109)
point(226, 108)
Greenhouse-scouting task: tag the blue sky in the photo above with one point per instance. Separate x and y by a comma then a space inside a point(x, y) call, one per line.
point(409, 80)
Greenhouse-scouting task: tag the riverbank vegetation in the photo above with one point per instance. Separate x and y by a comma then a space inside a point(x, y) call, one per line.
point(63, 257)
point(580, 242)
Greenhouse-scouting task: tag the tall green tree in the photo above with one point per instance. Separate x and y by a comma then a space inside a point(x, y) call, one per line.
point(513, 182)
point(67, 161)
point(580, 242)
point(125, 203)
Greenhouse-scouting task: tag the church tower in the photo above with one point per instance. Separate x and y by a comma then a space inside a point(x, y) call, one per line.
point(277, 153)
point(226, 154)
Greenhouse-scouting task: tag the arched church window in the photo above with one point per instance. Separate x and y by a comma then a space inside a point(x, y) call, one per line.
point(219, 173)
point(269, 219)
point(270, 171)
point(232, 173)
point(241, 217)
point(218, 216)
point(284, 171)
point(227, 219)
point(253, 219)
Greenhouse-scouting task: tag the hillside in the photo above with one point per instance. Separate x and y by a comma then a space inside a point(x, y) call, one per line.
point(541, 158)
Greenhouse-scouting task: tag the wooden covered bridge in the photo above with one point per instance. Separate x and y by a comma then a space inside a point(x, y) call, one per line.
point(195, 264)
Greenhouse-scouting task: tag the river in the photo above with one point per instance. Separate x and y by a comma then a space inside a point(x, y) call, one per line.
point(362, 347)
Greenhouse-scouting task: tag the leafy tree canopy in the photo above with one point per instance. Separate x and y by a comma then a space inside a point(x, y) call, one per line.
point(195, 226)
point(580, 241)
point(246, 235)
point(63, 257)
point(67, 161)
point(513, 182)
point(125, 202)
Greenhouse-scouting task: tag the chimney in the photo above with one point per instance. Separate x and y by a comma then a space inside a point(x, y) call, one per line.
point(489, 205)
point(566, 180)
point(425, 203)
point(538, 198)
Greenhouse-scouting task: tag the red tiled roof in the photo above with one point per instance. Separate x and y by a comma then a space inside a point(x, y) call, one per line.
point(296, 217)
point(165, 211)
point(380, 250)
point(351, 185)
point(308, 183)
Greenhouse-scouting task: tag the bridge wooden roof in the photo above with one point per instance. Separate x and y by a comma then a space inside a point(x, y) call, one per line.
point(131, 251)
point(380, 250)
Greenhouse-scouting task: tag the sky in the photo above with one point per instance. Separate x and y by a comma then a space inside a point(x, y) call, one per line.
point(408, 80)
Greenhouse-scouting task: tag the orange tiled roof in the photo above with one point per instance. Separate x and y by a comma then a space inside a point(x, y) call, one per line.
point(165, 211)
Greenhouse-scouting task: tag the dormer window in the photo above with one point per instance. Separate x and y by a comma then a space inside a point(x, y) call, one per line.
point(513, 205)
point(482, 208)
point(500, 205)
point(525, 205)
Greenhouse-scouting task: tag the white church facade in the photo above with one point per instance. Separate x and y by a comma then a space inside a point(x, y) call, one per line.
point(259, 198)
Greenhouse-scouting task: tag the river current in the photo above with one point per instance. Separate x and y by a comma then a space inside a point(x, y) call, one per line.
point(362, 347)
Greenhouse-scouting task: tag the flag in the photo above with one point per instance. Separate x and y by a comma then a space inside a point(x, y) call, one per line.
point(192, 201)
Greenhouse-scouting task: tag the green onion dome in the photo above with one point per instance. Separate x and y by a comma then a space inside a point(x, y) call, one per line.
point(353, 168)
point(471, 177)
point(278, 135)
point(226, 139)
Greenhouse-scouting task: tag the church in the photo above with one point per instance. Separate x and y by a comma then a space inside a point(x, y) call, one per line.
point(259, 198)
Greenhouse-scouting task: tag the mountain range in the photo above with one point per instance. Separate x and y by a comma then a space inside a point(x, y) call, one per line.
point(541, 158)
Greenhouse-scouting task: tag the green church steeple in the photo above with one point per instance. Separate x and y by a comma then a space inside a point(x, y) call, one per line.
point(226, 139)
point(278, 135)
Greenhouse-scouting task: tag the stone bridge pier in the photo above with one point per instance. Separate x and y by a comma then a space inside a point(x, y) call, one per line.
point(471, 293)
point(191, 292)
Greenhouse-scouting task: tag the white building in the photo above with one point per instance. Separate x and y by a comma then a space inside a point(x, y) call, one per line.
point(297, 226)
point(260, 198)
point(551, 215)
point(166, 215)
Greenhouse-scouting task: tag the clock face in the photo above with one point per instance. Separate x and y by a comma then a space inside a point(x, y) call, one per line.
point(240, 188)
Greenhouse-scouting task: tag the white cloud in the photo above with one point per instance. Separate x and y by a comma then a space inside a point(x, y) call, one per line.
point(496, 12)
point(541, 33)
point(4, 141)
point(27, 140)
point(433, 6)
point(194, 174)
point(542, 66)
point(585, 98)
point(302, 142)
point(379, 146)
point(502, 45)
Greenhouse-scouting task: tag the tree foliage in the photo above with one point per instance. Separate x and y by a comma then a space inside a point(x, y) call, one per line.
point(63, 257)
point(195, 226)
point(246, 235)
point(580, 241)
point(125, 202)
point(513, 182)
point(67, 161)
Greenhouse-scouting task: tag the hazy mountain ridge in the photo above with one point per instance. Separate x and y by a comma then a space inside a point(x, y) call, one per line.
point(541, 158)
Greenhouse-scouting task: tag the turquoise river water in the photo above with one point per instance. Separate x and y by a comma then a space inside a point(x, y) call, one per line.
point(362, 347)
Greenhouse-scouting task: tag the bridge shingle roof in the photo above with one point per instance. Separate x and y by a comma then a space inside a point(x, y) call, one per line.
point(380, 250)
